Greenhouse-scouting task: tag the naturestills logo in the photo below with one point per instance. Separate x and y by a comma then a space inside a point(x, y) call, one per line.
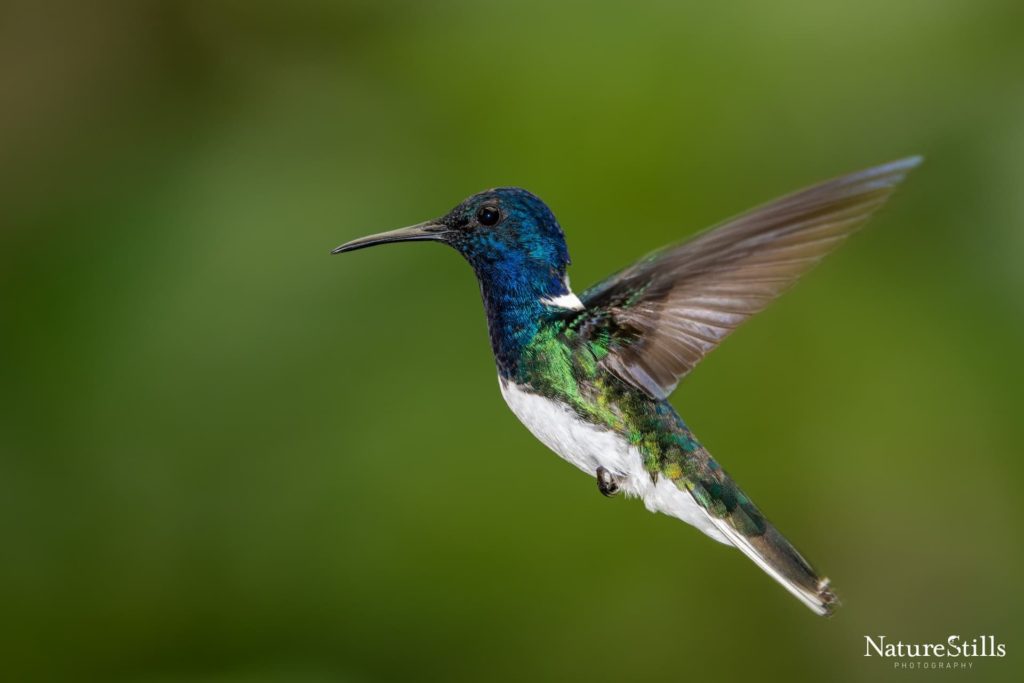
point(955, 653)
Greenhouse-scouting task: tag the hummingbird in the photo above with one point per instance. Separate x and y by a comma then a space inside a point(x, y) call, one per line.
point(590, 375)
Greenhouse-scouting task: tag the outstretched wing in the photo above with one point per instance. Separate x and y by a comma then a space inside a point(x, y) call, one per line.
point(661, 316)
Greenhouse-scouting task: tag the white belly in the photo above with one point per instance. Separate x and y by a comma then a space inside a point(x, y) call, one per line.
point(588, 447)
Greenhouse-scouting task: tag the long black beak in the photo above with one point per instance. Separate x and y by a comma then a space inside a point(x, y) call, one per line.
point(430, 230)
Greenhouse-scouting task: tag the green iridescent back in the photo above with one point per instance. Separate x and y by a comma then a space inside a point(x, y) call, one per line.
point(562, 363)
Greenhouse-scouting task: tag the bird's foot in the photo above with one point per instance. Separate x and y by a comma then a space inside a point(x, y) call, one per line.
point(607, 484)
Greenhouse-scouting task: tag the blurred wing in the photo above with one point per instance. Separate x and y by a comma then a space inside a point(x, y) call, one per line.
point(658, 318)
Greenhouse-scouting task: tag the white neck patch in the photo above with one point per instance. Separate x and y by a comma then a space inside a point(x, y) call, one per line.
point(569, 300)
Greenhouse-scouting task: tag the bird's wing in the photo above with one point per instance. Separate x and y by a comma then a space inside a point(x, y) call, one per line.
point(654, 321)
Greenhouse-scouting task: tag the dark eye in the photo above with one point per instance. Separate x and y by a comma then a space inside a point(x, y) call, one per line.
point(488, 215)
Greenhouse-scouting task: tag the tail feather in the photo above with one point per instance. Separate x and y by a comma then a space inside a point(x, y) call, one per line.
point(780, 560)
point(736, 517)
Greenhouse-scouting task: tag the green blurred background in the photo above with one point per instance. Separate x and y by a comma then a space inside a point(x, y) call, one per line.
point(229, 456)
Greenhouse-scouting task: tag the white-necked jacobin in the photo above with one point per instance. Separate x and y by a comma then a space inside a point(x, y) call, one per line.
point(590, 376)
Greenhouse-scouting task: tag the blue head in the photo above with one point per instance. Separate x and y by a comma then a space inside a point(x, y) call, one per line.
point(509, 235)
point(506, 234)
point(515, 246)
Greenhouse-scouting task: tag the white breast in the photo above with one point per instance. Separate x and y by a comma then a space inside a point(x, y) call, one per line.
point(588, 447)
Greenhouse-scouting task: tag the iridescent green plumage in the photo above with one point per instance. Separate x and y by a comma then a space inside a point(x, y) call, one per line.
point(561, 365)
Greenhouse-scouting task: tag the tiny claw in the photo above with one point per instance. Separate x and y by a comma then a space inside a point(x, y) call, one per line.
point(606, 482)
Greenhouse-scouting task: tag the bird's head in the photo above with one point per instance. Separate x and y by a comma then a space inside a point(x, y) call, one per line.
point(506, 232)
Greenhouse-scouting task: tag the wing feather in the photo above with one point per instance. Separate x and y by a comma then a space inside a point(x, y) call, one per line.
point(673, 307)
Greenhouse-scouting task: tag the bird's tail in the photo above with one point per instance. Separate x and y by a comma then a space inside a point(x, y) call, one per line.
point(780, 560)
point(738, 519)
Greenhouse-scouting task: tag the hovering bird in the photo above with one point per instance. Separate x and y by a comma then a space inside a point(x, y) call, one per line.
point(590, 375)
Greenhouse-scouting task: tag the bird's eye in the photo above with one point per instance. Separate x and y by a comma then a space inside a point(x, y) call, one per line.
point(488, 215)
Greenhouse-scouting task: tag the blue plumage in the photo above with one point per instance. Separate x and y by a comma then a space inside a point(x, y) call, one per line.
point(519, 267)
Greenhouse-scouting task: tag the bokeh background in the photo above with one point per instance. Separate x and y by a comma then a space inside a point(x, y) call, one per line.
point(229, 456)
